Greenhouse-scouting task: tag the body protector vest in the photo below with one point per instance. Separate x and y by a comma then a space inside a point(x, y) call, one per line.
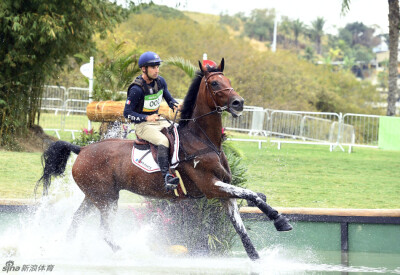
point(152, 96)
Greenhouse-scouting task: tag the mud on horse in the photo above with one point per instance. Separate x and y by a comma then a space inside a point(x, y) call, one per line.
point(104, 168)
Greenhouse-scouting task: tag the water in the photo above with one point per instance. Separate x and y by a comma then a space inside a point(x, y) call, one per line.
point(39, 238)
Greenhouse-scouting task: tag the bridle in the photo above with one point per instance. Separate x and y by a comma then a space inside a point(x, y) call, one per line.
point(213, 93)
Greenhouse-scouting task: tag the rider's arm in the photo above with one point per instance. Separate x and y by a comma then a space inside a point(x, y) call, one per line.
point(135, 95)
point(167, 95)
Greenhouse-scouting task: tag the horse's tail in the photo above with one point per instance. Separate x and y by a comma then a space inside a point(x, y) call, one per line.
point(54, 160)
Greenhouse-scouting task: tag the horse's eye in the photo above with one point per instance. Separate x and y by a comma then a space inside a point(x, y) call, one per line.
point(214, 83)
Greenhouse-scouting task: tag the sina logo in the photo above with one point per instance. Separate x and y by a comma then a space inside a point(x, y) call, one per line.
point(10, 267)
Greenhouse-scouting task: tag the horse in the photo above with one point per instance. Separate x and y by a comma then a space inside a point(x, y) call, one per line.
point(104, 168)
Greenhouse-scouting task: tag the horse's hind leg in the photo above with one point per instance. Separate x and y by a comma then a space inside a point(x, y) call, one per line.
point(281, 223)
point(107, 212)
point(232, 211)
point(82, 211)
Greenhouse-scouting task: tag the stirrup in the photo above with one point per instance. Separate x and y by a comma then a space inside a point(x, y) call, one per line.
point(171, 182)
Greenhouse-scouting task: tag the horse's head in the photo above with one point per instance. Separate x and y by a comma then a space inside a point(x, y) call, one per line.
point(222, 95)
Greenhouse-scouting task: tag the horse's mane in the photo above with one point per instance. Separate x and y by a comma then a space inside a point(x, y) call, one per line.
point(191, 96)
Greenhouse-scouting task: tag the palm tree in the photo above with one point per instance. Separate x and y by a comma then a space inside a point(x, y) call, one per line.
point(393, 52)
point(317, 31)
point(394, 16)
point(115, 73)
point(298, 28)
point(183, 64)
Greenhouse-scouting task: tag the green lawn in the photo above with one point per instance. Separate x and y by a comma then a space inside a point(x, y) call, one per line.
point(312, 176)
point(63, 121)
point(18, 174)
point(295, 176)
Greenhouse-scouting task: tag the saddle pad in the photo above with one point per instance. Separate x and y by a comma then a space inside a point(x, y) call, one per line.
point(145, 161)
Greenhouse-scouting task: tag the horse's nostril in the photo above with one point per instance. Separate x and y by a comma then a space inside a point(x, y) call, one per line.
point(237, 104)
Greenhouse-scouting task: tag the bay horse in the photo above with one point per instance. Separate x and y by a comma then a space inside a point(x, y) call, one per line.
point(104, 168)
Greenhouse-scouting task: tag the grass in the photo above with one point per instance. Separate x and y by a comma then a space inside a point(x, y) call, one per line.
point(62, 121)
point(295, 176)
point(18, 174)
point(312, 176)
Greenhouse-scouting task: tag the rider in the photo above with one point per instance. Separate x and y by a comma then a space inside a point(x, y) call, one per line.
point(144, 97)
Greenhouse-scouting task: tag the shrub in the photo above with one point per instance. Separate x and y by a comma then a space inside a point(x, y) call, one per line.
point(86, 137)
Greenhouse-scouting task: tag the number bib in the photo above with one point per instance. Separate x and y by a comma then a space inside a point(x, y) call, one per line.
point(152, 102)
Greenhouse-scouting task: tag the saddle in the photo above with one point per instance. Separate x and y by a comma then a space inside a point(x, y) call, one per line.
point(142, 144)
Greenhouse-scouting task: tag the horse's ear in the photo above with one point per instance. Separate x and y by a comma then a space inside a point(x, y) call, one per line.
point(221, 65)
point(202, 68)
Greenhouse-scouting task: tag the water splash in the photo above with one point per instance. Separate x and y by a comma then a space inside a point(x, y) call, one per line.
point(39, 237)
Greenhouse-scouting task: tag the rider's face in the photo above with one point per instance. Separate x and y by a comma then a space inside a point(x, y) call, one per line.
point(152, 71)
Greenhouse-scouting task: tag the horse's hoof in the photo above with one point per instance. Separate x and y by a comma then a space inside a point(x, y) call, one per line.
point(282, 224)
point(115, 248)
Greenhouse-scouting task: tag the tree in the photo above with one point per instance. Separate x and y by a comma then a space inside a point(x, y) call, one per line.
point(233, 21)
point(260, 25)
point(393, 53)
point(394, 20)
point(263, 78)
point(317, 31)
point(36, 39)
point(298, 28)
point(357, 33)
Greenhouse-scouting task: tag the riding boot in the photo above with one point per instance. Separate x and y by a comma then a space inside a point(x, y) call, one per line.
point(170, 181)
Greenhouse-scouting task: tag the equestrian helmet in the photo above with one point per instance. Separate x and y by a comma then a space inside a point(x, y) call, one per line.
point(149, 59)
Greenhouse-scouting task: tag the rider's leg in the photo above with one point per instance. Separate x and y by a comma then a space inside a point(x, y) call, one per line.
point(151, 131)
point(171, 182)
point(159, 139)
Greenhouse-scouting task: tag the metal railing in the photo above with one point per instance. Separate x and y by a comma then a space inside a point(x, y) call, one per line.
point(57, 106)
point(65, 110)
point(366, 129)
point(309, 127)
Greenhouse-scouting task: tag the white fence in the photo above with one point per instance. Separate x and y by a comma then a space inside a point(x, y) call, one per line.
point(65, 110)
point(332, 129)
point(60, 99)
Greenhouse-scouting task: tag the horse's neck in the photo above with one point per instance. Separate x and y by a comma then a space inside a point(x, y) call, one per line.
point(210, 125)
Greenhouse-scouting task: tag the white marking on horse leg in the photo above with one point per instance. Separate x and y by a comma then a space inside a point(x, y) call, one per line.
point(242, 193)
point(233, 212)
point(234, 215)
point(235, 191)
point(195, 163)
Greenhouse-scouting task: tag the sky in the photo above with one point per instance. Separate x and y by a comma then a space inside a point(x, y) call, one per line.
point(369, 12)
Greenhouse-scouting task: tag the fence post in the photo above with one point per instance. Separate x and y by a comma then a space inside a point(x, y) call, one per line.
point(340, 125)
point(91, 88)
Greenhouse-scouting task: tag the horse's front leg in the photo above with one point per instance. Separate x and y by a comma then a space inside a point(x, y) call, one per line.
point(281, 223)
point(232, 211)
